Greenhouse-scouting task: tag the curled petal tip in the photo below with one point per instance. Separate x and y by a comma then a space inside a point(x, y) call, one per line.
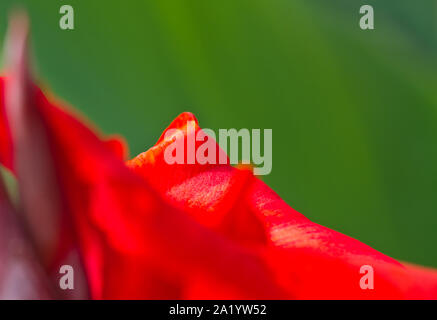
point(16, 48)
point(18, 88)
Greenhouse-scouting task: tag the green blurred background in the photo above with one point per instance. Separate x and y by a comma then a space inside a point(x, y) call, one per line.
point(353, 113)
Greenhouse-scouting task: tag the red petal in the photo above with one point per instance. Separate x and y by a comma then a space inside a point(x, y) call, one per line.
point(209, 192)
point(308, 260)
point(129, 236)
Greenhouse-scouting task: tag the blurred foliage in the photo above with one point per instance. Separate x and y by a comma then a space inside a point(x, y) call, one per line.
point(353, 113)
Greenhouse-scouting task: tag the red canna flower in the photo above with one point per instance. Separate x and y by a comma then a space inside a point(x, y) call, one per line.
point(146, 229)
